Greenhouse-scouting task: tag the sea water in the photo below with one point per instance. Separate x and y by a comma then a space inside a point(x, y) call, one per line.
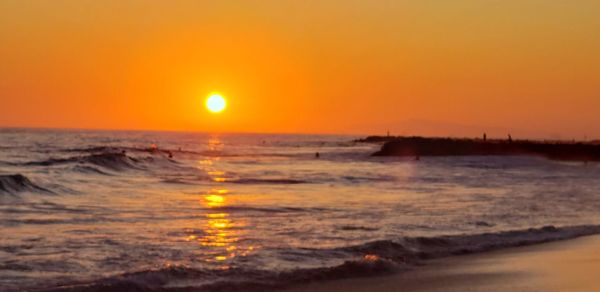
point(137, 210)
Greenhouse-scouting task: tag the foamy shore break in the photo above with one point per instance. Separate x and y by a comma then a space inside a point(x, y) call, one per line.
point(424, 146)
point(563, 266)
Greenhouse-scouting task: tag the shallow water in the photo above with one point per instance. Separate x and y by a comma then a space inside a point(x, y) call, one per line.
point(100, 207)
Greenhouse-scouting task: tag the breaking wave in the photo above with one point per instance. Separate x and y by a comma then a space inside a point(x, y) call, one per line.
point(151, 150)
point(89, 170)
point(15, 183)
point(114, 161)
point(369, 259)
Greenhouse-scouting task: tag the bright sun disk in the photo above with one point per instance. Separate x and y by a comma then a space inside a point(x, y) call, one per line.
point(215, 103)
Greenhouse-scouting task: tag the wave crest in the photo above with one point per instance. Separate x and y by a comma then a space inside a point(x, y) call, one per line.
point(115, 161)
point(16, 183)
point(372, 258)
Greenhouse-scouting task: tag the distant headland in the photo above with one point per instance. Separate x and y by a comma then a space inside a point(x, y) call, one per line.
point(435, 146)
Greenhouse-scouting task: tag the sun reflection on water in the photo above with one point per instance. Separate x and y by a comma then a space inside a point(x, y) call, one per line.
point(214, 200)
point(221, 233)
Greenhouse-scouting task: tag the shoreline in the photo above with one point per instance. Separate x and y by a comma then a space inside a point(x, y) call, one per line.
point(417, 263)
point(565, 265)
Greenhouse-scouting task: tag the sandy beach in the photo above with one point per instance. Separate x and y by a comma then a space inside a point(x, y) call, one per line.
point(570, 265)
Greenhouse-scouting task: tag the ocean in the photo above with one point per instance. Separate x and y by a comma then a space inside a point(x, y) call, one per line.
point(118, 210)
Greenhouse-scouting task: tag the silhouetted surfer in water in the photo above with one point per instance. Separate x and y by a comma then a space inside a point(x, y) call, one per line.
point(317, 155)
point(152, 149)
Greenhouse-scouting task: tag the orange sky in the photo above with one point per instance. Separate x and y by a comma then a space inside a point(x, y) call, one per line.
point(531, 68)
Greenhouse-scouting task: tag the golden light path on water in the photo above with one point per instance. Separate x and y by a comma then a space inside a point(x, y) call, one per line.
point(221, 233)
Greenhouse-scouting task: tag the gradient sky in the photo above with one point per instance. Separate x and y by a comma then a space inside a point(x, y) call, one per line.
point(531, 68)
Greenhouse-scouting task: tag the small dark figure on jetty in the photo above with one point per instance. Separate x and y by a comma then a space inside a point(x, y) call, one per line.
point(509, 138)
point(484, 137)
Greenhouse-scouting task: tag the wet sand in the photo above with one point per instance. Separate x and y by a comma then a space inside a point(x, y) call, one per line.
point(571, 265)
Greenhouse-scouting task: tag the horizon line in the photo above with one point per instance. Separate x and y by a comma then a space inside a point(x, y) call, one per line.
point(364, 135)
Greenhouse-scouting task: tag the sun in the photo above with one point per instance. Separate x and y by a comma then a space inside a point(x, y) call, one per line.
point(216, 103)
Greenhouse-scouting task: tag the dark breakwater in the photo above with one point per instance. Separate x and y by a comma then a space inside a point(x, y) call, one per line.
point(421, 146)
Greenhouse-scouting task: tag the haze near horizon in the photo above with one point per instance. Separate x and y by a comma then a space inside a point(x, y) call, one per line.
point(454, 68)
